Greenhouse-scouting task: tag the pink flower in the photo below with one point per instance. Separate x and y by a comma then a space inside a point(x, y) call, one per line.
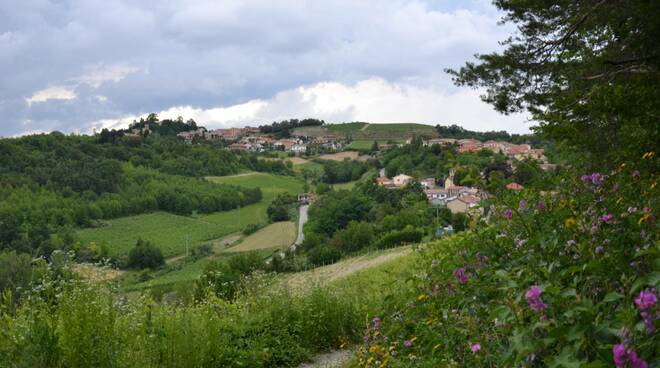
point(407, 343)
point(533, 296)
point(475, 347)
point(622, 356)
point(607, 218)
point(508, 214)
point(646, 299)
point(460, 275)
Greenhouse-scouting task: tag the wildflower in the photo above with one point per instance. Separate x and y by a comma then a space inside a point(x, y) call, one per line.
point(408, 343)
point(597, 179)
point(648, 322)
point(376, 321)
point(541, 206)
point(600, 249)
point(632, 209)
point(648, 155)
point(522, 204)
point(635, 174)
point(508, 214)
point(607, 218)
point(475, 347)
point(570, 222)
point(460, 275)
point(622, 356)
point(570, 243)
point(533, 296)
point(646, 299)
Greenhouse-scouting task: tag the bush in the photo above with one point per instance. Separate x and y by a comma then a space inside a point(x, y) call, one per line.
point(356, 236)
point(394, 238)
point(252, 228)
point(323, 254)
point(145, 255)
point(559, 279)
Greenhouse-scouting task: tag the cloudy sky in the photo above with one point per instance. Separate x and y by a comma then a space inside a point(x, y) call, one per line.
point(76, 65)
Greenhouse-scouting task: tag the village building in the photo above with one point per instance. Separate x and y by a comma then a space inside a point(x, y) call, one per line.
point(464, 204)
point(436, 194)
point(306, 198)
point(427, 183)
point(286, 144)
point(402, 179)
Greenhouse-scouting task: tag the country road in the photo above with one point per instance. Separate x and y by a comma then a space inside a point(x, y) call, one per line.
point(301, 222)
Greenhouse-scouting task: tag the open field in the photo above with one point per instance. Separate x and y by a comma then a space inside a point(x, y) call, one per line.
point(368, 143)
point(344, 268)
point(278, 235)
point(309, 166)
point(365, 131)
point(346, 155)
point(168, 231)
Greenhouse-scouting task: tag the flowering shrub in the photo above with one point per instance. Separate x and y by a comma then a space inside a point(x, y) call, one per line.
point(567, 278)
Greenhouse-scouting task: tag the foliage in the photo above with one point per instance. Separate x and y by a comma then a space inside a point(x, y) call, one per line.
point(145, 255)
point(342, 171)
point(407, 235)
point(86, 324)
point(556, 279)
point(356, 236)
point(279, 209)
point(323, 255)
point(284, 128)
point(586, 70)
point(252, 228)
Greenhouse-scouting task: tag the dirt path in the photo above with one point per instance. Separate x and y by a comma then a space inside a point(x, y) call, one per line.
point(364, 127)
point(334, 359)
point(344, 268)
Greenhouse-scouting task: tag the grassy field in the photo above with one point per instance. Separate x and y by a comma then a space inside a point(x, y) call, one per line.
point(370, 132)
point(169, 231)
point(346, 128)
point(366, 144)
point(278, 235)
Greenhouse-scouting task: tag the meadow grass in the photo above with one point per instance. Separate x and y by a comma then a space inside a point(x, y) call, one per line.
point(278, 235)
point(169, 231)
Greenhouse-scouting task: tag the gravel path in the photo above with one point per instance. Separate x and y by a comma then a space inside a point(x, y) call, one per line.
point(333, 359)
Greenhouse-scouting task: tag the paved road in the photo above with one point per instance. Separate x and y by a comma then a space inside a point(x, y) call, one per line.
point(301, 221)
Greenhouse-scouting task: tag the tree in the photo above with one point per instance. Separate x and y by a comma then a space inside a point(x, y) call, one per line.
point(374, 147)
point(356, 236)
point(145, 255)
point(587, 70)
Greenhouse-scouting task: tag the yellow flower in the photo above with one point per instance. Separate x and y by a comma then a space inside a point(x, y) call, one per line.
point(436, 347)
point(343, 345)
point(643, 218)
point(562, 203)
point(648, 155)
point(422, 297)
point(414, 338)
point(570, 222)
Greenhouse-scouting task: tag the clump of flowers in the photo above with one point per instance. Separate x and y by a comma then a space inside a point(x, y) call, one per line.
point(645, 302)
point(460, 276)
point(626, 357)
point(533, 296)
point(475, 347)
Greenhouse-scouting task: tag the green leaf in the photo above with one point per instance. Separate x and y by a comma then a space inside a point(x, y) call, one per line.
point(566, 359)
point(610, 297)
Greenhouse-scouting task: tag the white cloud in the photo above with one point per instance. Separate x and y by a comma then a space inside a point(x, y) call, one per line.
point(52, 93)
point(96, 75)
point(373, 100)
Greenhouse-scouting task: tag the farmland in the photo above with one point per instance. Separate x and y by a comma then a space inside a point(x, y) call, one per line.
point(278, 235)
point(370, 132)
point(169, 231)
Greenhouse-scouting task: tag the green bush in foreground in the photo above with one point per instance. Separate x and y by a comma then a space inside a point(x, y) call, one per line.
point(560, 279)
point(69, 323)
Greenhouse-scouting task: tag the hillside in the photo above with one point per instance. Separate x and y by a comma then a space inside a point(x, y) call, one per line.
point(370, 131)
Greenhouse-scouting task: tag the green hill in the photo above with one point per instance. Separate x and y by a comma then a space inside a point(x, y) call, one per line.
point(367, 131)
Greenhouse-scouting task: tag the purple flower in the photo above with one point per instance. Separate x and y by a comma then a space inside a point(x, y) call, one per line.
point(646, 299)
point(540, 206)
point(622, 356)
point(407, 343)
point(570, 243)
point(533, 296)
point(615, 188)
point(632, 209)
point(597, 179)
point(522, 204)
point(607, 218)
point(600, 249)
point(648, 322)
point(635, 174)
point(376, 321)
point(475, 347)
point(508, 213)
point(460, 275)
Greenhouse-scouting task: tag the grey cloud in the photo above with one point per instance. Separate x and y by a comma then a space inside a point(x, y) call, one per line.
point(209, 53)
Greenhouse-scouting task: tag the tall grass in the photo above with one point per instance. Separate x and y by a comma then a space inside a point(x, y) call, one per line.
point(89, 324)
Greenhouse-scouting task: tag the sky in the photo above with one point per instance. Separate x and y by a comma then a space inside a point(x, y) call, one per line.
point(79, 65)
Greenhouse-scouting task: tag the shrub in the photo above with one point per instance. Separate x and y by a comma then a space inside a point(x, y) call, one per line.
point(252, 228)
point(356, 236)
point(394, 238)
point(323, 254)
point(145, 255)
point(567, 278)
